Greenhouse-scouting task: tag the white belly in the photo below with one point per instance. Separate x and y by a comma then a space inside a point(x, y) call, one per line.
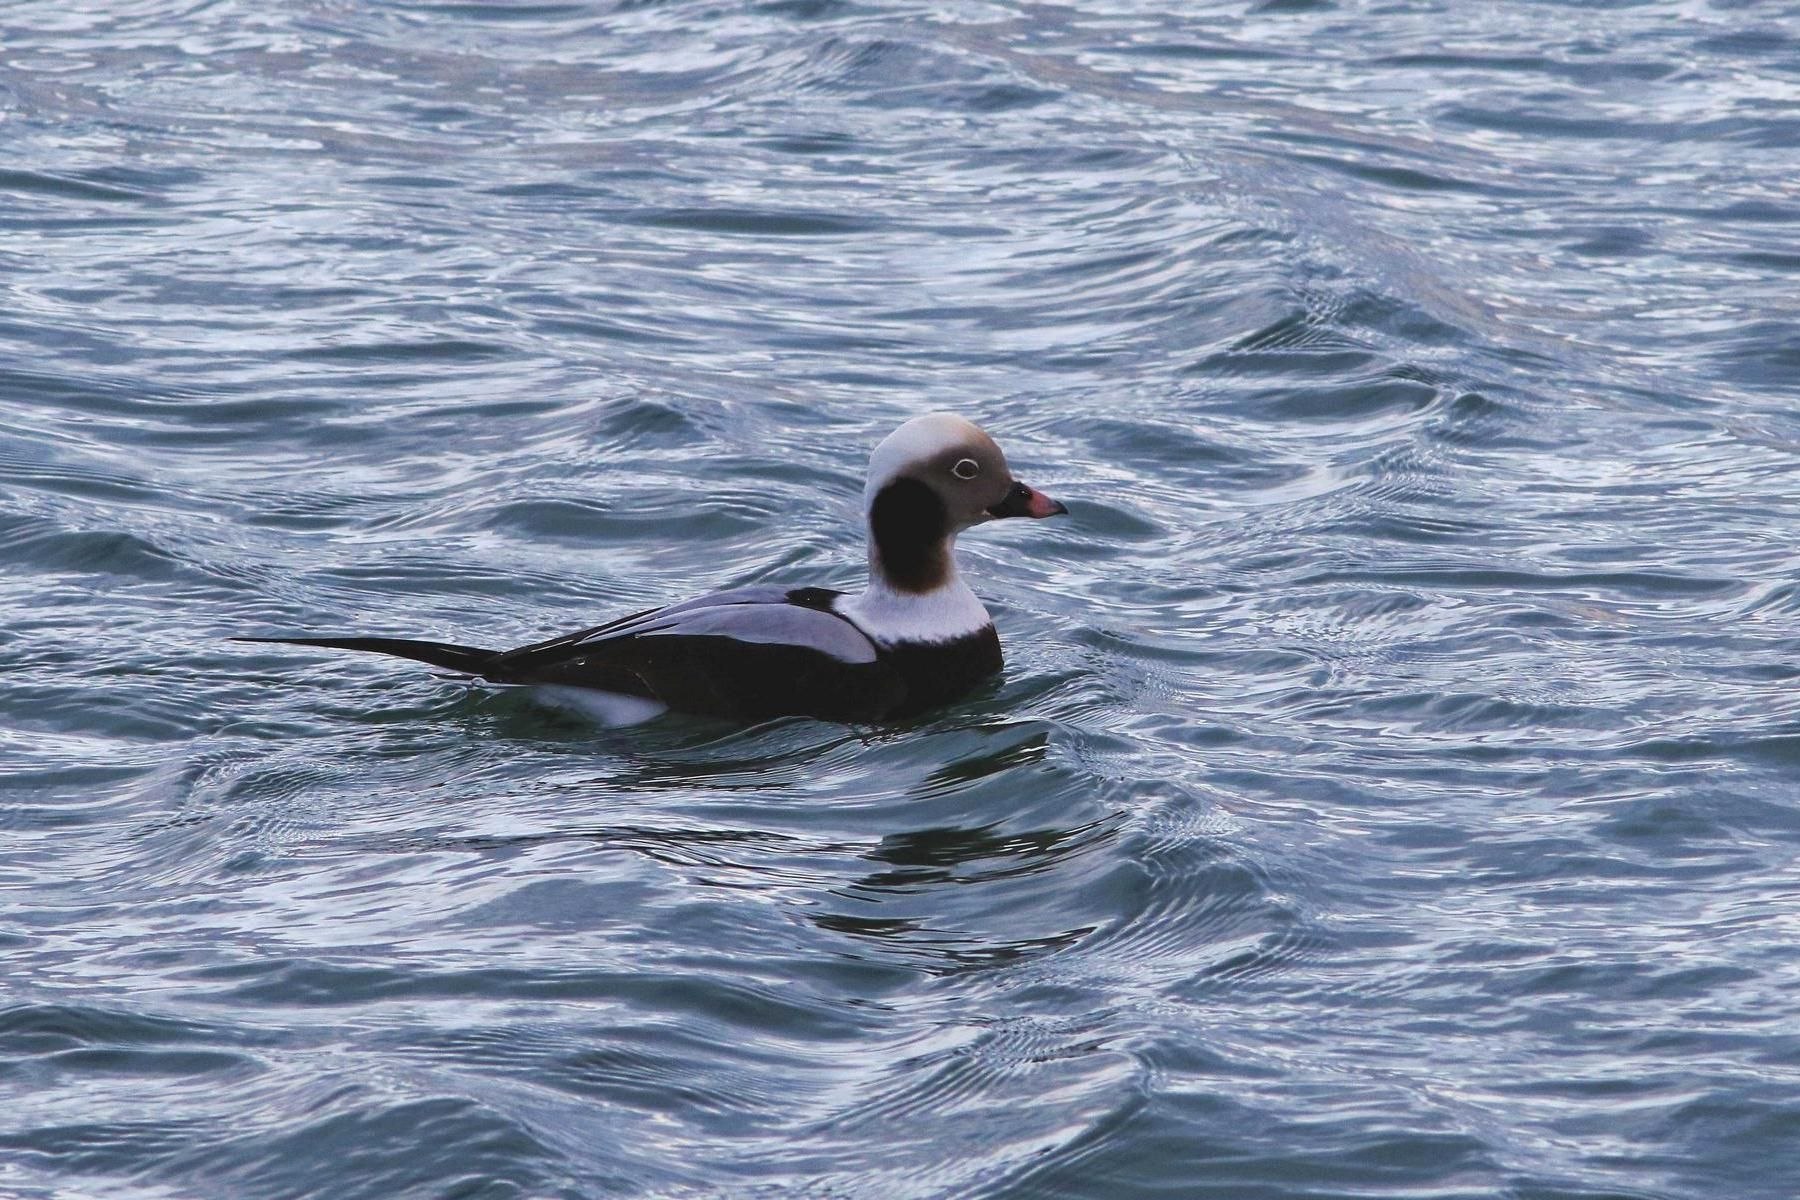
point(611, 709)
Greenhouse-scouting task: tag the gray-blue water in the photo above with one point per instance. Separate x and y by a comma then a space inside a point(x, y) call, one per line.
point(1395, 786)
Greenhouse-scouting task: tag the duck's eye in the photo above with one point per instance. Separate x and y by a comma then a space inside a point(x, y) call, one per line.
point(966, 468)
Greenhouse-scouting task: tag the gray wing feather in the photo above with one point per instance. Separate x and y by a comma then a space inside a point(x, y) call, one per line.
point(755, 594)
point(657, 617)
point(780, 624)
point(569, 644)
point(749, 614)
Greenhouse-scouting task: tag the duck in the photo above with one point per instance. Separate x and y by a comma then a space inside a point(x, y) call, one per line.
point(915, 638)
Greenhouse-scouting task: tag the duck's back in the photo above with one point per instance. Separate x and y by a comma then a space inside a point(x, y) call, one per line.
point(746, 654)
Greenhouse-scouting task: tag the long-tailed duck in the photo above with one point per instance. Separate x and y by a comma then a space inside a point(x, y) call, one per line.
point(914, 638)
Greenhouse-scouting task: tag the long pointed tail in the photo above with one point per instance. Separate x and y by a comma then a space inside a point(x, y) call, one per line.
point(470, 660)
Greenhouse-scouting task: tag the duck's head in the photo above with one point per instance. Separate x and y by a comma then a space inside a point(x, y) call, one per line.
point(930, 479)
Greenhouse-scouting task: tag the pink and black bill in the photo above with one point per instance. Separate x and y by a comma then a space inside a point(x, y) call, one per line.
point(1026, 501)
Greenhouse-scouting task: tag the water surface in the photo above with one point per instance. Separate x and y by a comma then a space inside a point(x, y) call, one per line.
point(1395, 785)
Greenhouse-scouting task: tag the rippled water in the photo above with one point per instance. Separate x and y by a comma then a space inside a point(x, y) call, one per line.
point(1395, 786)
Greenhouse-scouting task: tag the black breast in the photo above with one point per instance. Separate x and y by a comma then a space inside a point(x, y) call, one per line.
point(938, 672)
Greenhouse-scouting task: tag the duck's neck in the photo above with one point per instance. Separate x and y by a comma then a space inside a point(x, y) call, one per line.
point(890, 612)
point(914, 593)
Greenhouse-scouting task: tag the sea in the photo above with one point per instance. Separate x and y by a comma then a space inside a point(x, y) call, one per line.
point(1393, 790)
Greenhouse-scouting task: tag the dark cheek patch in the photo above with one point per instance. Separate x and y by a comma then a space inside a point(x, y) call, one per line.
point(909, 523)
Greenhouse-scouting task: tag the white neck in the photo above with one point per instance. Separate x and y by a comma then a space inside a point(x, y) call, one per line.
point(888, 615)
